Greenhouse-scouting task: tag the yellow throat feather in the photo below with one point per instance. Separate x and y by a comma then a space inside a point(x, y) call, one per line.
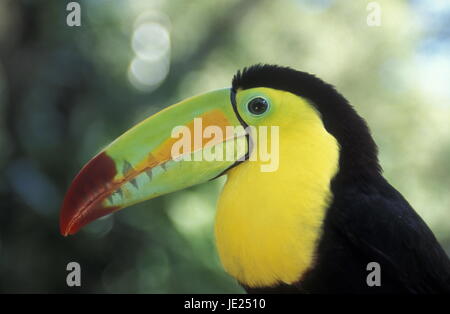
point(268, 223)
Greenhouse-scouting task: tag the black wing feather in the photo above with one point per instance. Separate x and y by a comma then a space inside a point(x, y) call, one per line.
point(381, 226)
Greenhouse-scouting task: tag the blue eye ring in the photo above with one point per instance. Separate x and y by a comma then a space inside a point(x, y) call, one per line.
point(257, 106)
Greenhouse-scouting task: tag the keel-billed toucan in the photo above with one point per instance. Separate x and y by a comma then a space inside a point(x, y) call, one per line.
point(312, 225)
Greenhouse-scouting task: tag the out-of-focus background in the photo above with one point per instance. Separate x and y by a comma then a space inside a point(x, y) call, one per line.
point(65, 92)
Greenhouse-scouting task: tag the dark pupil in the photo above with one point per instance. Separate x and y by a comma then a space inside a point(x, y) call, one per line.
point(257, 106)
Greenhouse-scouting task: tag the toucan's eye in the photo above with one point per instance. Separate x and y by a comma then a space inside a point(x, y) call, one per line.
point(257, 106)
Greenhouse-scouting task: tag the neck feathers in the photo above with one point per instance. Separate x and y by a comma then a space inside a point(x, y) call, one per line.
point(268, 223)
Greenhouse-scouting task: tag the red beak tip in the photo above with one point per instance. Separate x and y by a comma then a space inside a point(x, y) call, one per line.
point(64, 230)
point(82, 203)
point(67, 226)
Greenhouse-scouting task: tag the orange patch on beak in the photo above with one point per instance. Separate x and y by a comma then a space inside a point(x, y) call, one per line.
point(164, 152)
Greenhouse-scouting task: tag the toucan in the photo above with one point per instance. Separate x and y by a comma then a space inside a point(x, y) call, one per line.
point(319, 222)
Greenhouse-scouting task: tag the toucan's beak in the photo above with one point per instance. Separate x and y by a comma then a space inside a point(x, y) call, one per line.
point(185, 144)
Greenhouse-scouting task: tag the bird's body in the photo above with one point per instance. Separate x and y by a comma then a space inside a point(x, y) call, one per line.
point(373, 223)
point(335, 211)
point(313, 225)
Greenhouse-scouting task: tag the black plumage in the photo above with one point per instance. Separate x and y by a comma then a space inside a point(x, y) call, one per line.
point(368, 220)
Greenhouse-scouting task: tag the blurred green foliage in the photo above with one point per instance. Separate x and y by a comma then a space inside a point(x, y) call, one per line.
point(65, 92)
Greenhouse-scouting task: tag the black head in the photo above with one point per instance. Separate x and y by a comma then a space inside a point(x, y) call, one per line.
point(358, 151)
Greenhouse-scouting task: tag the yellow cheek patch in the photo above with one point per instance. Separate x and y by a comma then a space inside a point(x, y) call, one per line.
point(268, 223)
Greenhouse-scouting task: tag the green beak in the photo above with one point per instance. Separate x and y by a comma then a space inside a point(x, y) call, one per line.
point(185, 144)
